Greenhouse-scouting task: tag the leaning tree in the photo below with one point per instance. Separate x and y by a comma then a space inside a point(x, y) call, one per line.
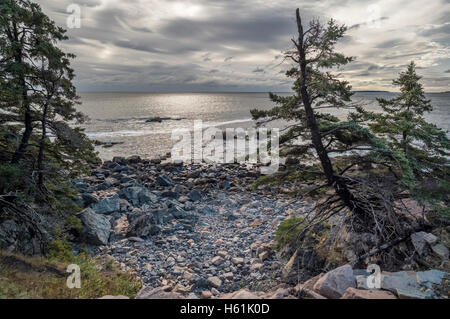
point(341, 152)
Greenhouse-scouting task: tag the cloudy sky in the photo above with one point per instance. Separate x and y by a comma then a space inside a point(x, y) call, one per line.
point(236, 45)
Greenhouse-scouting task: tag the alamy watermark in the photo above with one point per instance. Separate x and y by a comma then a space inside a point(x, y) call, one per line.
point(74, 19)
point(74, 280)
point(232, 145)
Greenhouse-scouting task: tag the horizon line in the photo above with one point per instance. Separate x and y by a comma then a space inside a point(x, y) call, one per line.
point(237, 92)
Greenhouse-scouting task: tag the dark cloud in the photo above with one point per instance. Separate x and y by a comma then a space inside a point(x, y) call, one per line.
point(172, 44)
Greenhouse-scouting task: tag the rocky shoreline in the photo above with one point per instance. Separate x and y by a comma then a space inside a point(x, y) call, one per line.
point(203, 231)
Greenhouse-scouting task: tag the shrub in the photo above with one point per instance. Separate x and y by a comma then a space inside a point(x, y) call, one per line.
point(11, 178)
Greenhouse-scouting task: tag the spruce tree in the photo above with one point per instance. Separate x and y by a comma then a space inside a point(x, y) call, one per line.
point(425, 146)
point(37, 92)
point(341, 155)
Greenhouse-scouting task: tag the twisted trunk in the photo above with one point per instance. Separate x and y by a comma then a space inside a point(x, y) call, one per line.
point(339, 185)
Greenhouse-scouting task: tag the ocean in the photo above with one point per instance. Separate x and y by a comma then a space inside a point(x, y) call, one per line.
point(123, 117)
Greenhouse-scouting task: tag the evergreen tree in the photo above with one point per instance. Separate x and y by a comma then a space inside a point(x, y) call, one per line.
point(317, 89)
point(343, 155)
point(426, 147)
point(36, 91)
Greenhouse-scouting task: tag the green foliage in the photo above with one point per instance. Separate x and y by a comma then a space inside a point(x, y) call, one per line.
point(422, 149)
point(11, 178)
point(288, 231)
point(38, 100)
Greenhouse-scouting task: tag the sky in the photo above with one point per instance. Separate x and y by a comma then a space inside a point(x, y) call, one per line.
point(237, 45)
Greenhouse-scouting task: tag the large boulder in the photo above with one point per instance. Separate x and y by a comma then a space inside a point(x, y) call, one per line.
point(334, 283)
point(405, 281)
point(138, 195)
point(107, 205)
point(143, 226)
point(96, 227)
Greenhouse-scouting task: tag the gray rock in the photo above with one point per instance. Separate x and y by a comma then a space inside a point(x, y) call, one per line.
point(430, 277)
point(214, 282)
point(89, 199)
point(119, 160)
point(178, 212)
point(162, 216)
point(144, 227)
point(441, 250)
point(195, 195)
point(134, 159)
point(189, 206)
point(421, 239)
point(138, 195)
point(208, 211)
point(107, 205)
point(96, 227)
point(399, 280)
point(164, 180)
point(334, 283)
point(413, 294)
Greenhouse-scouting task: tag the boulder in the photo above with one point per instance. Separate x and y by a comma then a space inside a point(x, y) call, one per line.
point(138, 195)
point(107, 206)
point(441, 250)
point(352, 293)
point(88, 199)
point(164, 180)
point(430, 277)
point(119, 160)
point(96, 227)
point(144, 226)
point(413, 294)
point(402, 280)
point(421, 239)
point(195, 195)
point(334, 283)
point(134, 159)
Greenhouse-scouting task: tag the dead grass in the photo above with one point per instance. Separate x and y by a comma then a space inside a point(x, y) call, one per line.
point(41, 278)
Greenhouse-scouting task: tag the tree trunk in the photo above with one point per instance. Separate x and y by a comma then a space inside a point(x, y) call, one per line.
point(28, 122)
point(339, 185)
point(40, 158)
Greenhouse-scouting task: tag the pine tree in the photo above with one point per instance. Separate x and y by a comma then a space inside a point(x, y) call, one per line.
point(317, 89)
point(339, 153)
point(426, 147)
point(36, 91)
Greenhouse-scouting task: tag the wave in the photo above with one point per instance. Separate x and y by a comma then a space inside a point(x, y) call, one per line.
point(144, 132)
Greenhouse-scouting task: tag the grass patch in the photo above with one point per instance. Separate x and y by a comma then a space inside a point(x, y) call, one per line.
point(287, 231)
point(45, 278)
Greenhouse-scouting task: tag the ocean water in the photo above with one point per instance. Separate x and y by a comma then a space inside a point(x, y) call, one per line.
point(122, 117)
